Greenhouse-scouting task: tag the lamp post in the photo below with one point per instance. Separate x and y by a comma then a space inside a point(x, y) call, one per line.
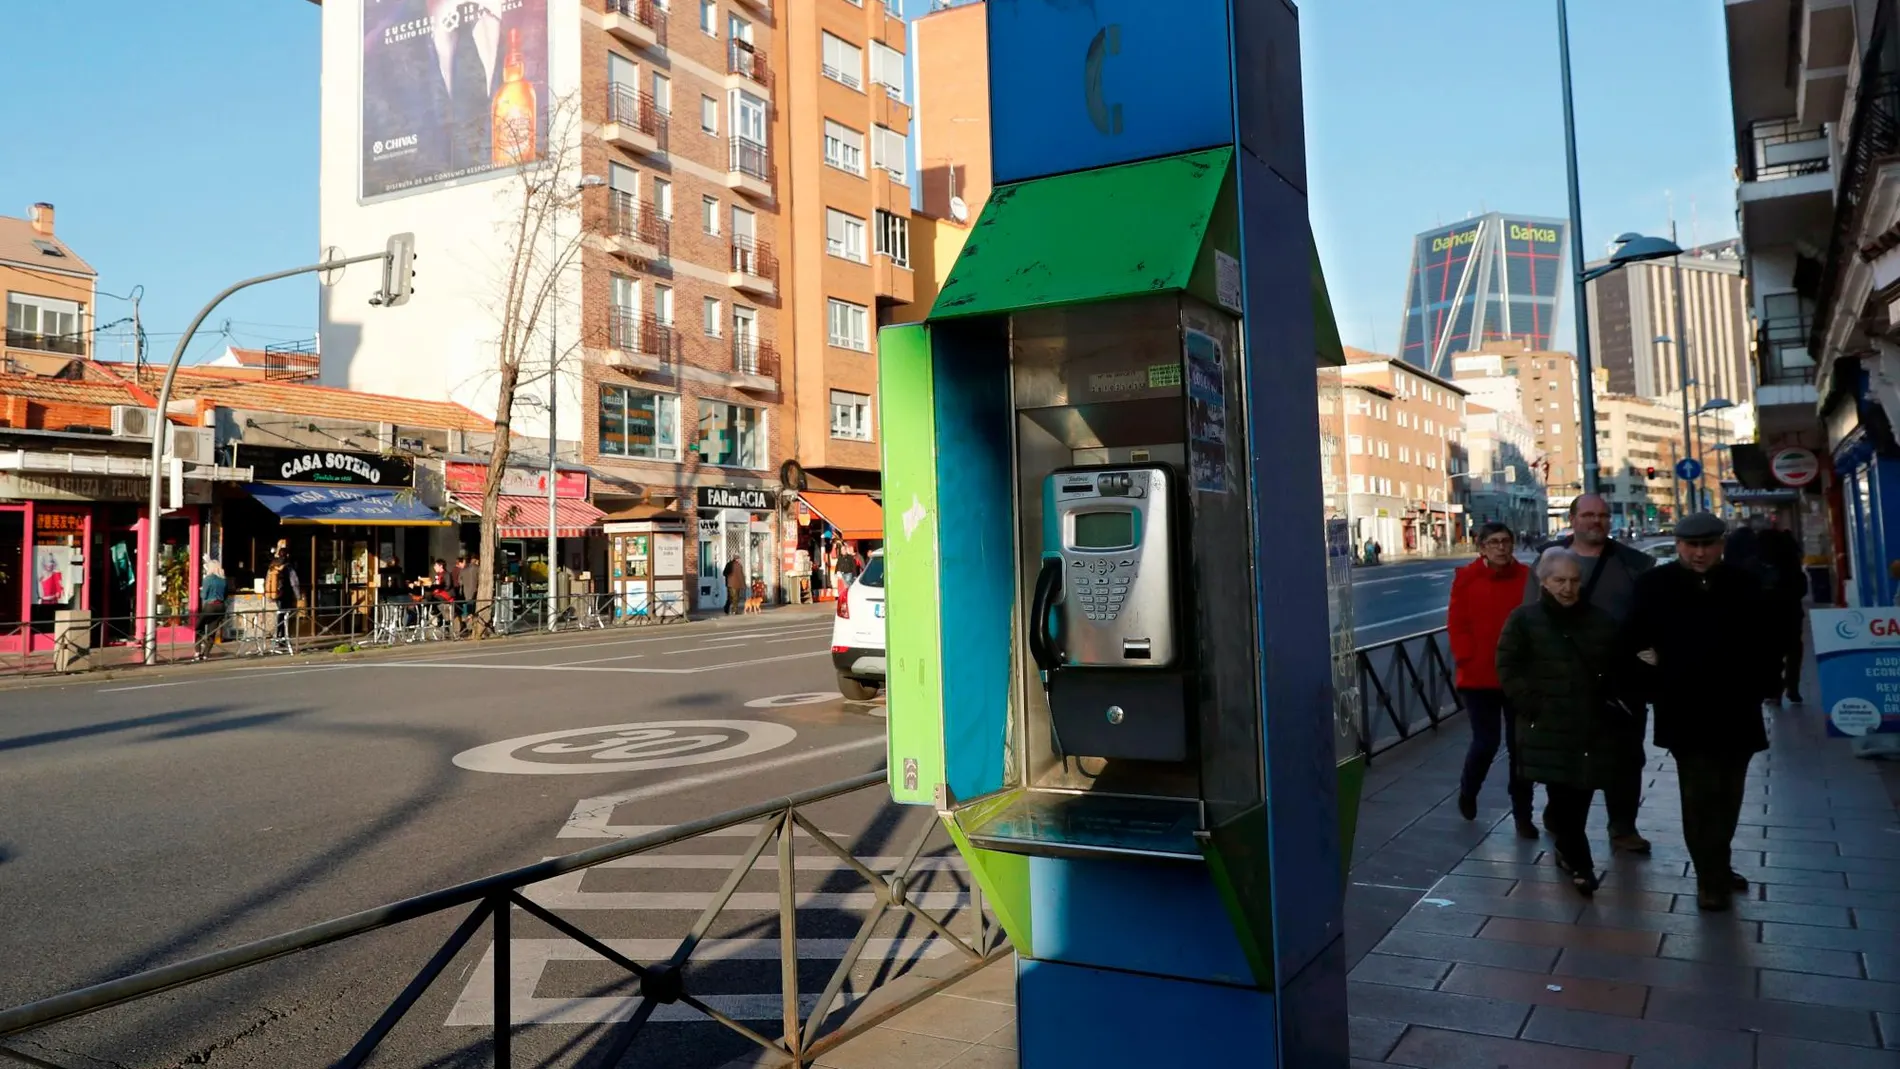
point(554, 393)
point(1704, 499)
point(1630, 249)
point(1586, 394)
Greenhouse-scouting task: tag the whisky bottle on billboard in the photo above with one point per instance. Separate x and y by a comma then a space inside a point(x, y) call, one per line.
point(515, 136)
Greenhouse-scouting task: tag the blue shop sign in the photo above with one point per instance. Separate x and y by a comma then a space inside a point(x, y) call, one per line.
point(1857, 652)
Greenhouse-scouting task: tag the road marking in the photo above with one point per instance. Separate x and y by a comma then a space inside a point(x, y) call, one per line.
point(1440, 611)
point(599, 660)
point(149, 686)
point(1432, 574)
point(556, 647)
point(627, 747)
point(592, 817)
point(825, 862)
point(465, 666)
point(781, 701)
point(794, 638)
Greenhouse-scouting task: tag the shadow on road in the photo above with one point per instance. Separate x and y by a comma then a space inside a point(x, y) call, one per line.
point(47, 738)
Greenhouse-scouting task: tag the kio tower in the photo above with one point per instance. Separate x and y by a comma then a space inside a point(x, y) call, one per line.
point(1483, 279)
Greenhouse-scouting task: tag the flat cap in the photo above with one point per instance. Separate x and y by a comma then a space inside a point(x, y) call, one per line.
point(1701, 526)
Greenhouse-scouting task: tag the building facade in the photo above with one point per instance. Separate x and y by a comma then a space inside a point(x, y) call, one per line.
point(1404, 449)
point(1485, 279)
point(1542, 384)
point(1633, 324)
point(1502, 485)
point(49, 291)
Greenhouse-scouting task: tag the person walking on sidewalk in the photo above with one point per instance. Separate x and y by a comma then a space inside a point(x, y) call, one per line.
point(1558, 663)
point(1610, 569)
point(1786, 585)
point(1483, 593)
point(735, 585)
point(1697, 622)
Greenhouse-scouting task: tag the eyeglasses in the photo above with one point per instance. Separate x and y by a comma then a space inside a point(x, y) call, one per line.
point(1505, 543)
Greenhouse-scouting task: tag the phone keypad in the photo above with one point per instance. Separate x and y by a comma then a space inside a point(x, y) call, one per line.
point(1102, 587)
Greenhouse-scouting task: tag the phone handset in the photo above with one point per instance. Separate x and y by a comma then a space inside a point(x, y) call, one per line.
point(1042, 644)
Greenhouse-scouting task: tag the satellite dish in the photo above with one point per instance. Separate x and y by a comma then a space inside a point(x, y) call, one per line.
point(959, 211)
point(330, 276)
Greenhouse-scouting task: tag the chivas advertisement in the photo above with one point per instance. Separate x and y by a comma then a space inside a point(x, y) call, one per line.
point(451, 89)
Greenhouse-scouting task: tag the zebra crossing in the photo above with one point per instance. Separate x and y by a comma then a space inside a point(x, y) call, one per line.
point(736, 968)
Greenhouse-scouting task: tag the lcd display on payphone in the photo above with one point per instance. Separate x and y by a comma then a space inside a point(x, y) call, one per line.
point(1104, 530)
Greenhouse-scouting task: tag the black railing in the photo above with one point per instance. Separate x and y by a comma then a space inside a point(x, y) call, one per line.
point(630, 217)
point(1781, 148)
point(1781, 341)
point(1873, 136)
point(754, 258)
point(751, 158)
point(294, 360)
point(627, 106)
point(742, 59)
point(646, 334)
point(69, 344)
point(646, 12)
point(754, 356)
point(1405, 685)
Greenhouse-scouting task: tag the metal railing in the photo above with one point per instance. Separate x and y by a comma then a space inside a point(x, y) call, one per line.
point(630, 217)
point(492, 902)
point(1781, 340)
point(67, 344)
point(646, 12)
point(754, 258)
point(755, 356)
point(1405, 685)
point(744, 60)
point(751, 158)
point(1872, 138)
point(294, 360)
point(1781, 148)
point(627, 106)
point(646, 334)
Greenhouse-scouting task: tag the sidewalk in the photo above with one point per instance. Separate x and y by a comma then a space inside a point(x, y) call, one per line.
point(1467, 953)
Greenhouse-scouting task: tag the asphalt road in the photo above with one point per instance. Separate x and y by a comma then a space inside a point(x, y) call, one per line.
point(164, 814)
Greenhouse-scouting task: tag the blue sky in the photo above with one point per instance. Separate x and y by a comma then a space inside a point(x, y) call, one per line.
point(182, 151)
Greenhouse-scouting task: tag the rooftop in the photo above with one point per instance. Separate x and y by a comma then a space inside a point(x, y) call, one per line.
point(23, 246)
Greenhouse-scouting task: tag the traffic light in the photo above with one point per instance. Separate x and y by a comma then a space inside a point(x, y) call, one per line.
point(1649, 472)
point(399, 270)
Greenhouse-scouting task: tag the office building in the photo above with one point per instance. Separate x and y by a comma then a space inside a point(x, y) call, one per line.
point(1633, 326)
point(1404, 452)
point(1541, 386)
point(1485, 279)
point(1502, 485)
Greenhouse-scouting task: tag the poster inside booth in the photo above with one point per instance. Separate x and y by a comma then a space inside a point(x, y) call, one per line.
point(1857, 655)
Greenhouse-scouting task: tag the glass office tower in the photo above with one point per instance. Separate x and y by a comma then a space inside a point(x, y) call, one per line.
point(1490, 277)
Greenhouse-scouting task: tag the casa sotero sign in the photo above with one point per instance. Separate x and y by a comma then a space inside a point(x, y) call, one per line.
point(326, 467)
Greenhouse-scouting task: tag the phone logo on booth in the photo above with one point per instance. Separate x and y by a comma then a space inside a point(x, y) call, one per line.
point(1849, 626)
point(1107, 117)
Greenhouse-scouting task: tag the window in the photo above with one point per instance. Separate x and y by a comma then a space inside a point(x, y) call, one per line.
point(850, 416)
point(843, 61)
point(1385, 450)
point(1405, 488)
point(47, 324)
point(1431, 461)
point(1428, 426)
point(663, 304)
point(1355, 444)
point(893, 237)
point(887, 68)
point(639, 423)
point(623, 323)
point(849, 326)
point(731, 435)
point(844, 147)
point(1551, 385)
point(709, 17)
point(844, 235)
point(738, 29)
point(1405, 455)
point(711, 321)
point(663, 93)
point(890, 152)
point(709, 115)
point(663, 198)
point(745, 339)
point(748, 117)
point(1556, 428)
point(709, 214)
point(1356, 484)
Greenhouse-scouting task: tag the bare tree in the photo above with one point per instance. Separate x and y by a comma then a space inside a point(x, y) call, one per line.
point(536, 252)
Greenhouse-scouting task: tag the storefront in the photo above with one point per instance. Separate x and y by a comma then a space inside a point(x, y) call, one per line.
point(827, 520)
point(646, 562)
point(70, 541)
point(521, 523)
point(342, 517)
point(735, 523)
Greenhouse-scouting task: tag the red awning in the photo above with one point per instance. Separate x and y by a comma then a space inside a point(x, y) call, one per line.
point(856, 516)
point(527, 517)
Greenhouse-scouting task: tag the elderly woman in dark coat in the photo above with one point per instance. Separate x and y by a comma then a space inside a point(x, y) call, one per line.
point(1558, 665)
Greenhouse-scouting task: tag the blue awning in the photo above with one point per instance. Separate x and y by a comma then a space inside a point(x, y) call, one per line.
point(345, 504)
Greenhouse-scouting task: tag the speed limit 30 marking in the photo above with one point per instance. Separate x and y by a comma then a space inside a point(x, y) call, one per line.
point(626, 747)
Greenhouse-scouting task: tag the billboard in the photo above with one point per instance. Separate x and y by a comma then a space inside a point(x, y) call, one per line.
point(451, 89)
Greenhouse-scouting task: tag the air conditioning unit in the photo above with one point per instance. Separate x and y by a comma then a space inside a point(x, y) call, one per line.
point(131, 421)
point(194, 445)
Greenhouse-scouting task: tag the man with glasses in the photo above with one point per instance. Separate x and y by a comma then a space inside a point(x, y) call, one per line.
point(1610, 570)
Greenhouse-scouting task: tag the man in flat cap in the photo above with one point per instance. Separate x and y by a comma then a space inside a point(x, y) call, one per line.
point(1697, 623)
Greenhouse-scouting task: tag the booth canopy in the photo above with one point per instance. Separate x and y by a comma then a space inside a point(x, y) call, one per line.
point(386, 506)
point(1108, 233)
point(856, 516)
point(527, 517)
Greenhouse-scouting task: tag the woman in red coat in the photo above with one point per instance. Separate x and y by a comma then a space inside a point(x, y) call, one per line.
point(1483, 593)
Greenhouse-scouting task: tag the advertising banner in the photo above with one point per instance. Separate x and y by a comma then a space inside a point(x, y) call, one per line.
point(1857, 654)
point(469, 479)
point(451, 89)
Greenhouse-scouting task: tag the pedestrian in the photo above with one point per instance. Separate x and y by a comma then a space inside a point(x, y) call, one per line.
point(1558, 666)
point(1785, 583)
point(1483, 593)
point(469, 583)
point(1696, 624)
point(211, 595)
point(284, 591)
point(735, 585)
point(1610, 569)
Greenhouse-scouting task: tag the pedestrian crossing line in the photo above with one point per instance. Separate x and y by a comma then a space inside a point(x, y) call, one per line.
point(768, 862)
point(553, 894)
point(531, 957)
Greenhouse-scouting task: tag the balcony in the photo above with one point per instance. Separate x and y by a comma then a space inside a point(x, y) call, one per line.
point(753, 267)
point(640, 23)
point(635, 230)
point(896, 283)
point(745, 64)
point(1826, 43)
point(634, 121)
point(754, 364)
point(1784, 365)
point(764, 7)
point(68, 344)
point(1787, 188)
point(638, 342)
point(749, 169)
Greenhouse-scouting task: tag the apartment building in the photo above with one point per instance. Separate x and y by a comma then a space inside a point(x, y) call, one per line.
point(1639, 440)
point(844, 127)
point(951, 125)
point(1501, 484)
point(1633, 325)
point(1544, 393)
point(1404, 453)
point(49, 292)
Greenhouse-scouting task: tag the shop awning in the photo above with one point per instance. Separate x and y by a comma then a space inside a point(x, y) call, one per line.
point(527, 517)
point(386, 506)
point(856, 516)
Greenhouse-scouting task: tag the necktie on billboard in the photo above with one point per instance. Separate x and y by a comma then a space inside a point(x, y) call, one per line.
point(468, 93)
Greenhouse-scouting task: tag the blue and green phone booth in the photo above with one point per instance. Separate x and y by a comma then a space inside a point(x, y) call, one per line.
point(1111, 666)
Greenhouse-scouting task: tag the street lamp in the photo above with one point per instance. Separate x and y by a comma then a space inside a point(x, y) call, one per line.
point(554, 386)
point(1713, 404)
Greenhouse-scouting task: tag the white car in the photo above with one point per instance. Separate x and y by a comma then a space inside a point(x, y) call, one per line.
point(857, 635)
point(1663, 549)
